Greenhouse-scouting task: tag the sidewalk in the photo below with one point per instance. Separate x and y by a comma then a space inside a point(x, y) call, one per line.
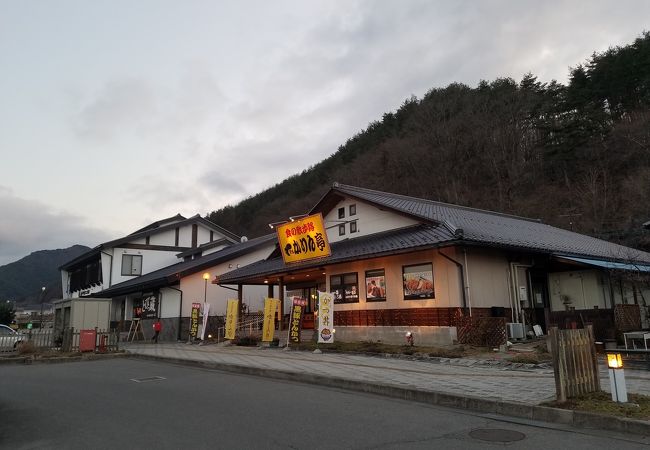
point(457, 377)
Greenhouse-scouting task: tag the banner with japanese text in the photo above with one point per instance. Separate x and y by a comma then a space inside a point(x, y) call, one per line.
point(325, 317)
point(303, 239)
point(295, 319)
point(231, 318)
point(206, 310)
point(268, 329)
point(194, 320)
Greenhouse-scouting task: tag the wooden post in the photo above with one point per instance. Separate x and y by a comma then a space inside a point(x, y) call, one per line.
point(558, 364)
point(240, 303)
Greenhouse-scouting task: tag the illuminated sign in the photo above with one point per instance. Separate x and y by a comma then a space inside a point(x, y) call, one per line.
point(303, 239)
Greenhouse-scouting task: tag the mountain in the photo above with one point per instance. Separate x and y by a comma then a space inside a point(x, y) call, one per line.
point(23, 280)
point(576, 156)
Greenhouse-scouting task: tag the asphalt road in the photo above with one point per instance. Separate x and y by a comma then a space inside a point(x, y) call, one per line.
point(98, 405)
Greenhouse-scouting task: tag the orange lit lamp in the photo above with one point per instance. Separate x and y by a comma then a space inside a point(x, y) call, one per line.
point(617, 377)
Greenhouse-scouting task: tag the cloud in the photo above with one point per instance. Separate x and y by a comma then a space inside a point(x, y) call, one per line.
point(28, 225)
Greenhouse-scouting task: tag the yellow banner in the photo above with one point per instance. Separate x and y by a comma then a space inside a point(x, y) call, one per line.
point(303, 239)
point(231, 318)
point(268, 330)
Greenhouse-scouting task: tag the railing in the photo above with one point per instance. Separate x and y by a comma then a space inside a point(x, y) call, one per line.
point(250, 323)
point(68, 340)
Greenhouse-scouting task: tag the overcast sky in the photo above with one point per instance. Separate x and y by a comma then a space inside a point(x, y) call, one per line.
point(114, 114)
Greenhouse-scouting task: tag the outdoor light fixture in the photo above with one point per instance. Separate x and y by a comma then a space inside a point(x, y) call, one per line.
point(617, 377)
point(299, 216)
point(614, 361)
point(206, 276)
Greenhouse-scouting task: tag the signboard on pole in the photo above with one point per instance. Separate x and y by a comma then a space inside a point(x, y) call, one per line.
point(206, 310)
point(325, 317)
point(295, 319)
point(231, 318)
point(268, 330)
point(194, 320)
point(303, 239)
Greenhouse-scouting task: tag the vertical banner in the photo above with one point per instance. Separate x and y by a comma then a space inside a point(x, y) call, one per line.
point(268, 330)
point(295, 319)
point(231, 318)
point(194, 320)
point(325, 317)
point(206, 310)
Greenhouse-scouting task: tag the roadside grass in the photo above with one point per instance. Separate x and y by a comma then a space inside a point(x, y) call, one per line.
point(638, 406)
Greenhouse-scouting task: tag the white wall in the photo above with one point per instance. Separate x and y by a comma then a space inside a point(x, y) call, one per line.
point(170, 302)
point(193, 286)
point(163, 238)
point(370, 220)
point(185, 236)
point(584, 288)
point(151, 260)
point(486, 274)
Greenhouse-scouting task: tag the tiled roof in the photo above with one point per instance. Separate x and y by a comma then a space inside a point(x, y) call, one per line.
point(403, 240)
point(170, 274)
point(491, 228)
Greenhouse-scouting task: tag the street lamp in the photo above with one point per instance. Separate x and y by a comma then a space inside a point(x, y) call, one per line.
point(42, 298)
point(206, 277)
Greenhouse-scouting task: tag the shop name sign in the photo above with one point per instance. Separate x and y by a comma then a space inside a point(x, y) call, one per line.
point(303, 239)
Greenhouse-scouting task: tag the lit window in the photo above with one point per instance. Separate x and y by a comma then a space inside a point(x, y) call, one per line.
point(131, 264)
point(345, 288)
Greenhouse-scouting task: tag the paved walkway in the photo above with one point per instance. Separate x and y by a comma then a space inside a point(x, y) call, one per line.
point(459, 377)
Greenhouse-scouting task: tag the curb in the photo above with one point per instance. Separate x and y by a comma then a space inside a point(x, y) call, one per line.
point(61, 359)
point(578, 419)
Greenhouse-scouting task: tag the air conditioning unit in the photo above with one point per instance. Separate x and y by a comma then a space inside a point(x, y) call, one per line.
point(515, 330)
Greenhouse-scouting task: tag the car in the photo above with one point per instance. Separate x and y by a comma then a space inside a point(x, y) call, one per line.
point(9, 339)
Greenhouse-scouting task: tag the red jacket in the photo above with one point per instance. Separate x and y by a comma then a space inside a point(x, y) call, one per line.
point(157, 326)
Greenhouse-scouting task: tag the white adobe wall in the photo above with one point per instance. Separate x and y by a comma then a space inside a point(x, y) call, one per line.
point(370, 220)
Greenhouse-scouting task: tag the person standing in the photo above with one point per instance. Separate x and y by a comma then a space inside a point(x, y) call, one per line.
point(157, 327)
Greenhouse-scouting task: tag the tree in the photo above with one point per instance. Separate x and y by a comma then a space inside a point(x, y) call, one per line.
point(7, 312)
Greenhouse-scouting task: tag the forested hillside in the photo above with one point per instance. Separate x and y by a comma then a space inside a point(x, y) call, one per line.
point(22, 280)
point(576, 156)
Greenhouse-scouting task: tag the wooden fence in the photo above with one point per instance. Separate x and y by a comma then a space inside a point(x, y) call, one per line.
point(574, 362)
point(482, 331)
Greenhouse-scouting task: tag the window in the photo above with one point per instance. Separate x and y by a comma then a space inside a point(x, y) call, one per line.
point(345, 288)
point(353, 210)
point(353, 227)
point(342, 229)
point(131, 264)
point(341, 213)
point(375, 286)
point(418, 281)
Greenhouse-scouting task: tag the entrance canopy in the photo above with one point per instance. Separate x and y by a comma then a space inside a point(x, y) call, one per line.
point(610, 265)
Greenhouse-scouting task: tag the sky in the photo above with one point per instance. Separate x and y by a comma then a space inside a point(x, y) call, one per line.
point(115, 114)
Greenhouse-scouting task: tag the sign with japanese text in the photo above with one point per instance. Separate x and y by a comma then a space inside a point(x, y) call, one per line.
point(194, 320)
point(303, 239)
point(268, 329)
point(145, 307)
point(231, 318)
point(295, 319)
point(325, 317)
